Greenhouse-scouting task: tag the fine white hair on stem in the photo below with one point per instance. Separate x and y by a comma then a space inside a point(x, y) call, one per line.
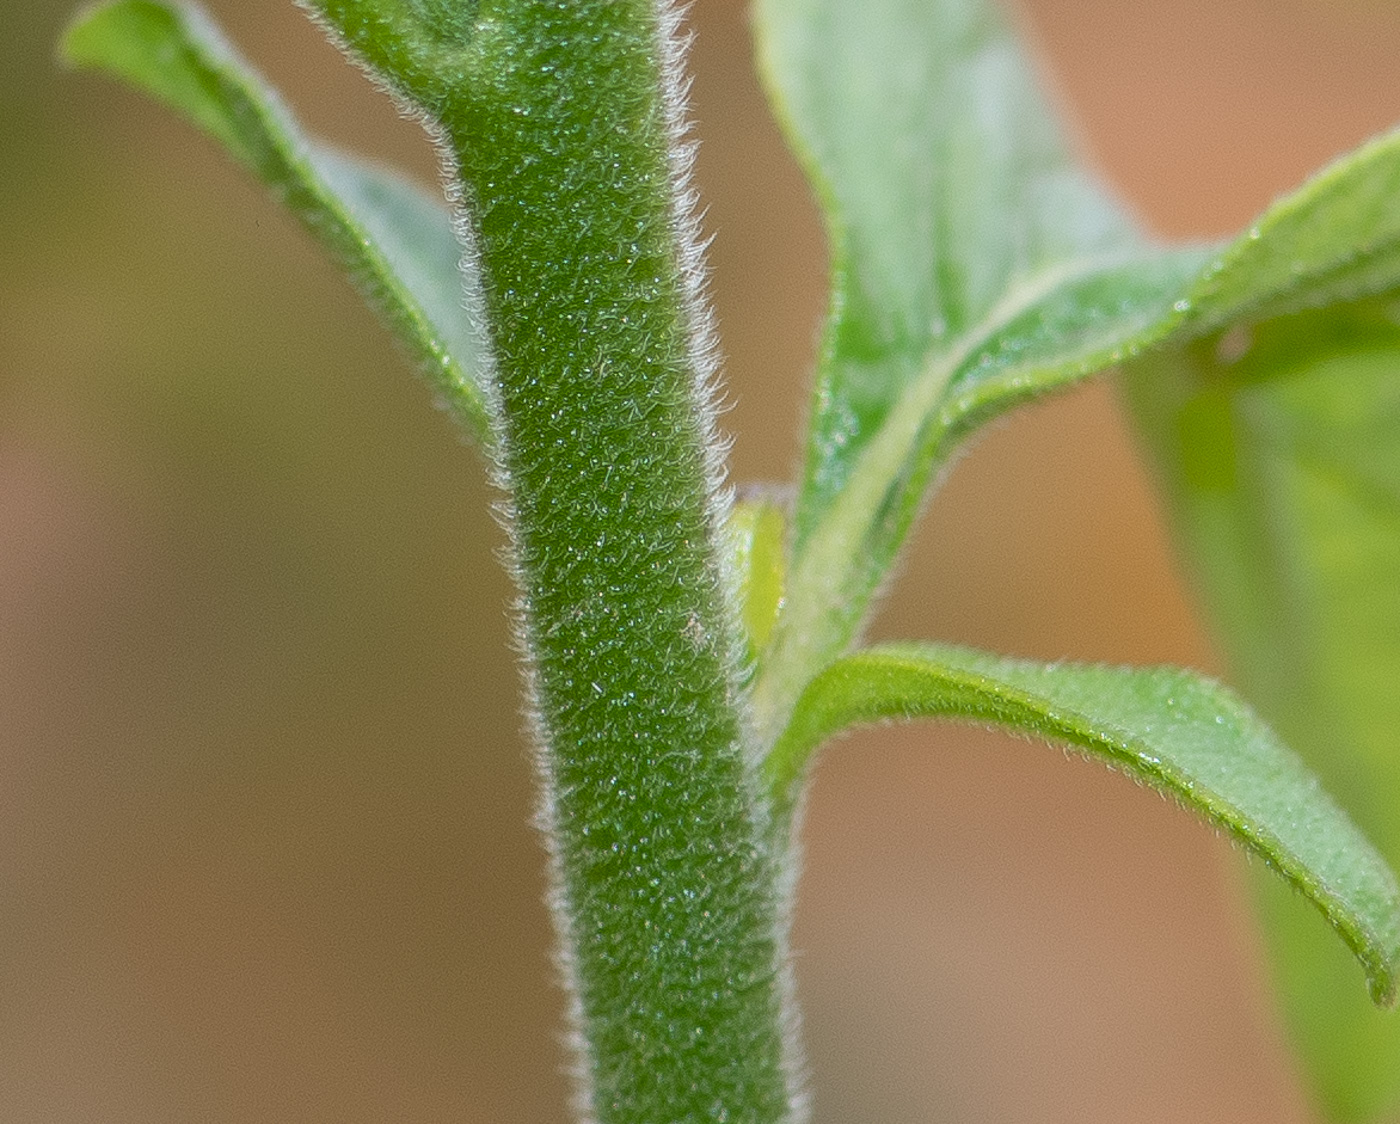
point(723, 632)
point(576, 1045)
point(673, 45)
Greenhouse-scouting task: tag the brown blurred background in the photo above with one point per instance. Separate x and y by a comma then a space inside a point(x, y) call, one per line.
point(264, 843)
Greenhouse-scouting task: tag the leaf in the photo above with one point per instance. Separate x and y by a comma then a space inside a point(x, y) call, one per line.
point(974, 267)
point(944, 186)
point(395, 240)
point(960, 291)
point(1336, 239)
point(1168, 728)
point(1279, 446)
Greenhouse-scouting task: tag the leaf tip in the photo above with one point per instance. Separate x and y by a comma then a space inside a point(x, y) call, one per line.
point(1377, 946)
point(1381, 980)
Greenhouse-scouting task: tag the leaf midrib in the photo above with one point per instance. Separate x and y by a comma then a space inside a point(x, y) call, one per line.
point(811, 594)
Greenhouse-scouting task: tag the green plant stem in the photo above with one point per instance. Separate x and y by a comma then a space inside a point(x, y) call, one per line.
point(664, 891)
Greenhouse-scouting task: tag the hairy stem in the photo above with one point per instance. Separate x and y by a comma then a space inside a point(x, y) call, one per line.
point(562, 120)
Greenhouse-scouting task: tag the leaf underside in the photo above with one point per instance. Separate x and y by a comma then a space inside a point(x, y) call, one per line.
point(1166, 727)
point(395, 240)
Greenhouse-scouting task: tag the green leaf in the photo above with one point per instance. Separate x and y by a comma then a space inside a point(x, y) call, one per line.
point(946, 192)
point(974, 266)
point(1168, 728)
point(1279, 445)
point(1336, 239)
point(395, 240)
point(958, 294)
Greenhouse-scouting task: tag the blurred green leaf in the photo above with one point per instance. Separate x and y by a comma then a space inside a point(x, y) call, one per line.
point(393, 239)
point(1277, 435)
point(1279, 444)
point(1168, 728)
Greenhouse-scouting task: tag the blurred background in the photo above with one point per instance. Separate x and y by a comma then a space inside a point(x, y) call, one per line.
point(265, 850)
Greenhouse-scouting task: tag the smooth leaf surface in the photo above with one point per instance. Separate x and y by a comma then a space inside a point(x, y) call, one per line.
point(1280, 449)
point(1168, 728)
point(395, 240)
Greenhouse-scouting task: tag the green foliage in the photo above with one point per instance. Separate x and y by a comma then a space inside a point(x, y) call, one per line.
point(1280, 448)
point(393, 240)
point(1166, 727)
point(1276, 425)
point(684, 660)
point(973, 267)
